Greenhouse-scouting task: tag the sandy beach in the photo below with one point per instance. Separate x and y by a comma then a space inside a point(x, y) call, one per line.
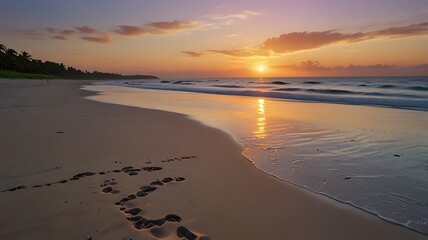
point(72, 168)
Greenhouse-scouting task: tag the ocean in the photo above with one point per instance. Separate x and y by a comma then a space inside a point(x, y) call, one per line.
point(396, 92)
point(360, 141)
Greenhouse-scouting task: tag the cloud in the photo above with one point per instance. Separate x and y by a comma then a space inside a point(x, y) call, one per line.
point(409, 30)
point(128, 30)
point(299, 41)
point(315, 68)
point(86, 29)
point(304, 66)
point(59, 34)
point(67, 32)
point(296, 41)
point(245, 52)
point(174, 25)
point(94, 35)
point(156, 28)
point(193, 54)
point(59, 37)
point(102, 38)
point(237, 16)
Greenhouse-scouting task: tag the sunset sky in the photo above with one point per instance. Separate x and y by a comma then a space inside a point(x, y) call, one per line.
point(205, 38)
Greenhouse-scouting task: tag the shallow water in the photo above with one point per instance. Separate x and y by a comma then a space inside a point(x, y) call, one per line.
point(373, 158)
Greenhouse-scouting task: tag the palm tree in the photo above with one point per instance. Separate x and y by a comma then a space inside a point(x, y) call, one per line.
point(11, 52)
point(2, 48)
point(11, 61)
point(2, 56)
point(24, 61)
point(25, 55)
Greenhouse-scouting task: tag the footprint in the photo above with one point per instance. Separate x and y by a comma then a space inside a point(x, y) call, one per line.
point(107, 189)
point(133, 211)
point(167, 180)
point(131, 171)
point(185, 233)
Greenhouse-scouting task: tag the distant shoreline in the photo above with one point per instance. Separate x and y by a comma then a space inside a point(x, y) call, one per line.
point(7, 74)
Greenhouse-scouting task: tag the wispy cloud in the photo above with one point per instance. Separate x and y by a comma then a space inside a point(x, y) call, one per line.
point(193, 54)
point(242, 15)
point(59, 37)
point(87, 33)
point(299, 41)
point(90, 34)
point(245, 52)
point(101, 38)
point(86, 29)
point(55, 33)
point(156, 28)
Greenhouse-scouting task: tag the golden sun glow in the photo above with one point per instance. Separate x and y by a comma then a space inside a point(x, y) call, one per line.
point(261, 68)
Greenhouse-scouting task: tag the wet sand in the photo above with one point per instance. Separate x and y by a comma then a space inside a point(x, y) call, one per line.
point(73, 168)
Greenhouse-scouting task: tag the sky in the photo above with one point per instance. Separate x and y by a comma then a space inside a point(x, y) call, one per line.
point(206, 38)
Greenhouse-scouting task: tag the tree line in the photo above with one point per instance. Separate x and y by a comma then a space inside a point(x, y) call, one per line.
point(23, 62)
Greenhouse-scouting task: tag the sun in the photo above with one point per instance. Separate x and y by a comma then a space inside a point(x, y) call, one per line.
point(261, 68)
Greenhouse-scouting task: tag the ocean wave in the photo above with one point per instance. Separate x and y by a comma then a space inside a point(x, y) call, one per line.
point(311, 82)
point(228, 86)
point(288, 89)
point(418, 88)
point(279, 83)
point(182, 82)
point(331, 91)
point(353, 93)
point(387, 86)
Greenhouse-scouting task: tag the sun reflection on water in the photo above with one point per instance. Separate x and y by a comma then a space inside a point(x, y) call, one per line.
point(261, 119)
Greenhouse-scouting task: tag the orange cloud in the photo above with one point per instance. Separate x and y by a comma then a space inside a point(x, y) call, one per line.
point(86, 29)
point(245, 52)
point(128, 30)
point(91, 34)
point(174, 25)
point(156, 28)
point(103, 38)
point(304, 66)
point(193, 54)
point(298, 41)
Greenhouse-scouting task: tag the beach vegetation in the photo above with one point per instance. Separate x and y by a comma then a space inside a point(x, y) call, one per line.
point(23, 65)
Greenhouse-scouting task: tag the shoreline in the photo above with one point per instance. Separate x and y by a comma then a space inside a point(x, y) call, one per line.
point(223, 197)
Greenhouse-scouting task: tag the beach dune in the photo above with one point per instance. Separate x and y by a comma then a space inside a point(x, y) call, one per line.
point(72, 168)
